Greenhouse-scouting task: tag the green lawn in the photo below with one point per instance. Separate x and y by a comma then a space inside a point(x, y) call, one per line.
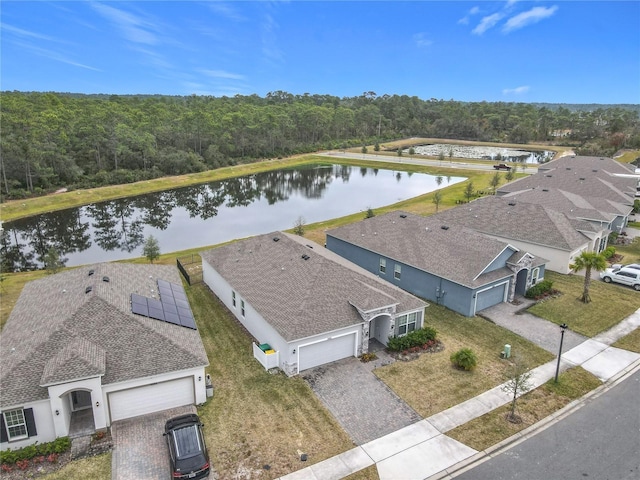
point(430, 384)
point(95, 468)
point(610, 304)
point(630, 342)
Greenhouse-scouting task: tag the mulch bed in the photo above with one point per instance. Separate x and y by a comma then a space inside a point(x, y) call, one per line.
point(413, 353)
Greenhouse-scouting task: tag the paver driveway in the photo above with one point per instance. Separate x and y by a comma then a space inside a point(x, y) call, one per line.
point(139, 449)
point(365, 407)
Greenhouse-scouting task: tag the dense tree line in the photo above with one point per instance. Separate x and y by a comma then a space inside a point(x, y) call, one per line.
point(53, 140)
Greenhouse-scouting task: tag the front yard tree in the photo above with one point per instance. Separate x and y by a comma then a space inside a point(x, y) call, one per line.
point(151, 248)
point(588, 261)
point(510, 175)
point(519, 383)
point(468, 191)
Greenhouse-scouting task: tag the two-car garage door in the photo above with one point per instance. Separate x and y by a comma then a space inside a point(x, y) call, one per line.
point(151, 398)
point(327, 350)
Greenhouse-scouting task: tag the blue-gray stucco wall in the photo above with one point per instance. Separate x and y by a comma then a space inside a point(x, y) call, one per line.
point(418, 282)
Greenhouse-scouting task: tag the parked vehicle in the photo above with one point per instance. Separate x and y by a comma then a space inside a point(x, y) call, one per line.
point(188, 454)
point(635, 266)
point(502, 166)
point(625, 276)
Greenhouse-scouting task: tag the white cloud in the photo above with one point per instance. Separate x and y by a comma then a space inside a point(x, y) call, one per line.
point(226, 10)
point(133, 28)
point(222, 74)
point(487, 22)
point(465, 20)
point(421, 40)
point(53, 55)
point(516, 91)
point(528, 18)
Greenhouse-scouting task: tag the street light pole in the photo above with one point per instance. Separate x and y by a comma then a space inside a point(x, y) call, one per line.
point(563, 327)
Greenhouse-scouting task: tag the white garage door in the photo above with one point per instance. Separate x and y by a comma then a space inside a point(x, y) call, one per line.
point(151, 398)
point(490, 297)
point(329, 350)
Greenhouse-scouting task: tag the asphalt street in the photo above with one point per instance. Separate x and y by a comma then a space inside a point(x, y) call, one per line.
point(600, 441)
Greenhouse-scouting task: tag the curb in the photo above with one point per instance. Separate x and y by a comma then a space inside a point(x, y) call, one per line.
point(508, 443)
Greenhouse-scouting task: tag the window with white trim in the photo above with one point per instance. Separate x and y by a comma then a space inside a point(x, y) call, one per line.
point(383, 265)
point(242, 307)
point(535, 274)
point(406, 323)
point(233, 298)
point(15, 424)
point(397, 272)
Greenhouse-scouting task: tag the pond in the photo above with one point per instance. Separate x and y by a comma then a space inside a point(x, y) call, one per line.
point(480, 152)
point(207, 214)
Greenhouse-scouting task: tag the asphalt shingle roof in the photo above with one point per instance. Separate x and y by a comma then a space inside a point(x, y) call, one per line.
point(303, 297)
point(56, 332)
point(511, 219)
point(456, 253)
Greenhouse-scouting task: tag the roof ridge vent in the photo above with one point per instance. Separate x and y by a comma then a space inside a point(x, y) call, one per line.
point(91, 272)
point(305, 256)
point(545, 189)
point(402, 215)
point(512, 203)
point(89, 289)
point(582, 178)
point(105, 279)
point(548, 175)
point(594, 170)
point(444, 227)
point(276, 239)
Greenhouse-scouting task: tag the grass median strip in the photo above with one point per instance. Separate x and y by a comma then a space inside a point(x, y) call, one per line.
point(493, 427)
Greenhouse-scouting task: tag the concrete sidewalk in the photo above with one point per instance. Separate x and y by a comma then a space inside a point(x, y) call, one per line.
point(422, 450)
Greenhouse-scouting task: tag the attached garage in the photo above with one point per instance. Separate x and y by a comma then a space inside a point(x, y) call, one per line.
point(328, 350)
point(491, 296)
point(151, 398)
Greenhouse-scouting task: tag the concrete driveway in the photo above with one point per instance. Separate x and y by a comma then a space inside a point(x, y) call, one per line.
point(365, 407)
point(542, 332)
point(139, 449)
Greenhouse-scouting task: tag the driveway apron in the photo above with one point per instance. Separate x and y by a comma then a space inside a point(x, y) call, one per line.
point(542, 332)
point(139, 449)
point(365, 407)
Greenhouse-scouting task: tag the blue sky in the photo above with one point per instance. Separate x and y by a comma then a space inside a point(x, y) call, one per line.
point(520, 51)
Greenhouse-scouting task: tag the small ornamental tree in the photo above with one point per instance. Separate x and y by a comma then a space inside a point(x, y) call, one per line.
point(468, 191)
point(437, 199)
point(495, 181)
point(519, 383)
point(510, 175)
point(151, 248)
point(370, 213)
point(364, 149)
point(298, 226)
point(376, 147)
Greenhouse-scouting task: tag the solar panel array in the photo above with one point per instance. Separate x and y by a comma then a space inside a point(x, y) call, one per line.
point(173, 306)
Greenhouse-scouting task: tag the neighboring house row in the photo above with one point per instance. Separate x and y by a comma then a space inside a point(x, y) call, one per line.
point(99, 343)
point(307, 304)
point(441, 261)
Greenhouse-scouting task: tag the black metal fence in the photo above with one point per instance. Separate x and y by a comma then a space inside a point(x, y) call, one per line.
point(191, 268)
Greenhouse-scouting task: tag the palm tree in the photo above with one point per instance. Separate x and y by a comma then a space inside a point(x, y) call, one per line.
point(588, 261)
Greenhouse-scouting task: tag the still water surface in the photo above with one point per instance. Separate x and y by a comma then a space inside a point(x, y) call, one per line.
point(207, 214)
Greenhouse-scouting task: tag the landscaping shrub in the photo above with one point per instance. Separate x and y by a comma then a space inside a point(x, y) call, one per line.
point(464, 359)
point(539, 289)
point(50, 450)
point(609, 252)
point(417, 338)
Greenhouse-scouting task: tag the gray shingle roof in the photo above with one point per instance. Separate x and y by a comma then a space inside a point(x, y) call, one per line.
point(509, 219)
point(57, 332)
point(298, 297)
point(586, 176)
point(457, 253)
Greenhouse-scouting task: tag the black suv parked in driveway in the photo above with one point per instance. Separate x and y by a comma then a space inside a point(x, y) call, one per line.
point(187, 450)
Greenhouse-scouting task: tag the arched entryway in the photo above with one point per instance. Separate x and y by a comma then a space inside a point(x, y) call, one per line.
point(379, 328)
point(81, 413)
point(521, 281)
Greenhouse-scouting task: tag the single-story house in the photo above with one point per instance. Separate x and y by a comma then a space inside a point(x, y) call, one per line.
point(443, 262)
point(304, 305)
point(540, 230)
point(110, 341)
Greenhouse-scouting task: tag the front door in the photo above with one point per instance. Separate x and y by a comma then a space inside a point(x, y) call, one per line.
point(80, 400)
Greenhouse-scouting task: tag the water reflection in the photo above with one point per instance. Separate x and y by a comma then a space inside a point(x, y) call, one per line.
point(206, 214)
